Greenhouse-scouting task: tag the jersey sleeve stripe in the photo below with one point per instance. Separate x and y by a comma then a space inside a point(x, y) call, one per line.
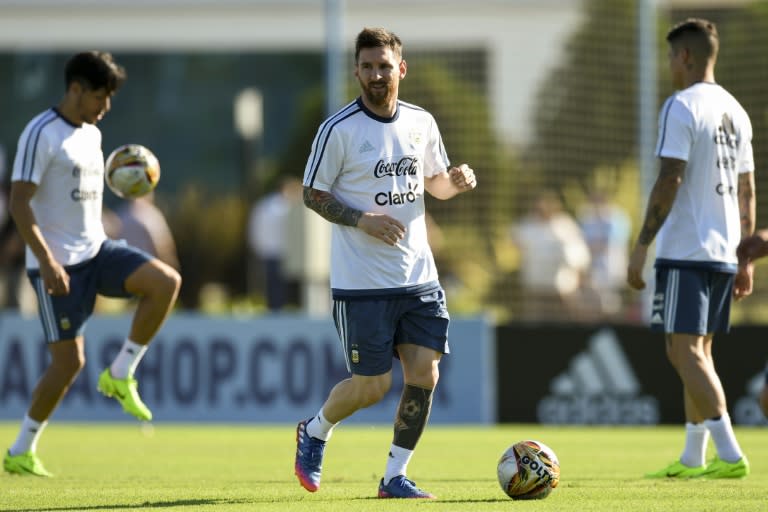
point(325, 133)
point(30, 148)
point(410, 106)
point(665, 115)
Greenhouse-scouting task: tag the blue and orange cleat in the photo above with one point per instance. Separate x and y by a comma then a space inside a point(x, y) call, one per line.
point(401, 487)
point(309, 457)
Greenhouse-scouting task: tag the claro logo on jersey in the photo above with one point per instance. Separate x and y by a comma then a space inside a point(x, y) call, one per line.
point(85, 195)
point(406, 166)
point(393, 198)
point(86, 175)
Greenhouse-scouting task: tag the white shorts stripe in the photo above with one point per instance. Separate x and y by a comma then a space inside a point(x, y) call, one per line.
point(46, 311)
point(341, 324)
point(670, 308)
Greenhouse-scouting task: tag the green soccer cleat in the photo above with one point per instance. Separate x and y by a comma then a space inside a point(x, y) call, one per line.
point(25, 463)
point(718, 468)
point(678, 470)
point(125, 391)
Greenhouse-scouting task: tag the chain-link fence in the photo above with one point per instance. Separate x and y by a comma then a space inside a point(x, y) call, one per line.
point(578, 162)
point(500, 249)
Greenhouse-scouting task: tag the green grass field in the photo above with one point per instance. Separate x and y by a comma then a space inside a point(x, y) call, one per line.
point(112, 467)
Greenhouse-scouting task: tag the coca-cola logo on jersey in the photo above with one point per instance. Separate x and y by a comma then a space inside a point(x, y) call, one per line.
point(406, 166)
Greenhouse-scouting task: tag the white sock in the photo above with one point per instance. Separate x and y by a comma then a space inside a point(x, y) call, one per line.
point(29, 434)
point(127, 360)
point(320, 428)
point(725, 441)
point(397, 462)
point(695, 451)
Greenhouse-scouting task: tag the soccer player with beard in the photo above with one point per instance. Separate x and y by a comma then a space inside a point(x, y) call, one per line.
point(367, 172)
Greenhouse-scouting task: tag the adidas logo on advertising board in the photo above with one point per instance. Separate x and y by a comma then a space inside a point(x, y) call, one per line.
point(598, 387)
point(747, 411)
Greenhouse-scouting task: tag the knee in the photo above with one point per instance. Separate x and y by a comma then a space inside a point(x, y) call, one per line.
point(172, 281)
point(425, 376)
point(681, 354)
point(168, 282)
point(373, 391)
point(69, 362)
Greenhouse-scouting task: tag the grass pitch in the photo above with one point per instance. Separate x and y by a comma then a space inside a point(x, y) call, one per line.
point(170, 467)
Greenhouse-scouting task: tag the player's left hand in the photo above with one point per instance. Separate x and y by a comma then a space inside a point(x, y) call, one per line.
point(463, 177)
point(753, 247)
point(742, 283)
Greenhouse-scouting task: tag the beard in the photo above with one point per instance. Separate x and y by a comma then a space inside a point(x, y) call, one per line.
point(378, 97)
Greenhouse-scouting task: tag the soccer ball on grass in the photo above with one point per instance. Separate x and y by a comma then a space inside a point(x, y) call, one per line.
point(528, 470)
point(131, 171)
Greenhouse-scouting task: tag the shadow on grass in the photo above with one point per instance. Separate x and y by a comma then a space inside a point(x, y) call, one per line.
point(440, 500)
point(145, 505)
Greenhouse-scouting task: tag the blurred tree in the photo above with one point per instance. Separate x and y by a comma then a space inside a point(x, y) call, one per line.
point(210, 238)
point(585, 114)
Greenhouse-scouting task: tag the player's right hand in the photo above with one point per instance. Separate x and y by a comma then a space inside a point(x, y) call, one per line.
point(636, 266)
point(387, 229)
point(55, 278)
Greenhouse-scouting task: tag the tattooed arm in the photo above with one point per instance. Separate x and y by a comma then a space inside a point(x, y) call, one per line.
point(747, 203)
point(743, 282)
point(330, 208)
point(659, 205)
point(377, 225)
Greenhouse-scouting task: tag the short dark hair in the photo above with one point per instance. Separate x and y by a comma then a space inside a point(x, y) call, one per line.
point(94, 70)
point(377, 38)
point(699, 34)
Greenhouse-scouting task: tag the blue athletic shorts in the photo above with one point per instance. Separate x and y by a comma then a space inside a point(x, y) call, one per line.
point(369, 329)
point(64, 317)
point(691, 301)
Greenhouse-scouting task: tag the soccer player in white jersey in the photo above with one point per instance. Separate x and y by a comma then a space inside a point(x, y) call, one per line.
point(367, 172)
point(56, 202)
point(702, 204)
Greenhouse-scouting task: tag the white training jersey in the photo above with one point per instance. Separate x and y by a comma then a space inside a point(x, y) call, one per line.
point(67, 165)
point(378, 165)
point(705, 126)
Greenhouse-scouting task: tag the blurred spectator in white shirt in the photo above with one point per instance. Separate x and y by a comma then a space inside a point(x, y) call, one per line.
point(606, 229)
point(267, 230)
point(554, 257)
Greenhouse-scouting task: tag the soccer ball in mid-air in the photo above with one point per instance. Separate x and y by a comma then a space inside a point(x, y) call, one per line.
point(528, 470)
point(131, 171)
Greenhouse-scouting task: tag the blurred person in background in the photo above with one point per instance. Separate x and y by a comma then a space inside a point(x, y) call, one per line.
point(554, 259)
point(750, 249)
point(56, 202)
point(11, 246)
point(606, 230)
point(267, 231)
point(369, 167)
point(144, 226)
point(701, 206)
